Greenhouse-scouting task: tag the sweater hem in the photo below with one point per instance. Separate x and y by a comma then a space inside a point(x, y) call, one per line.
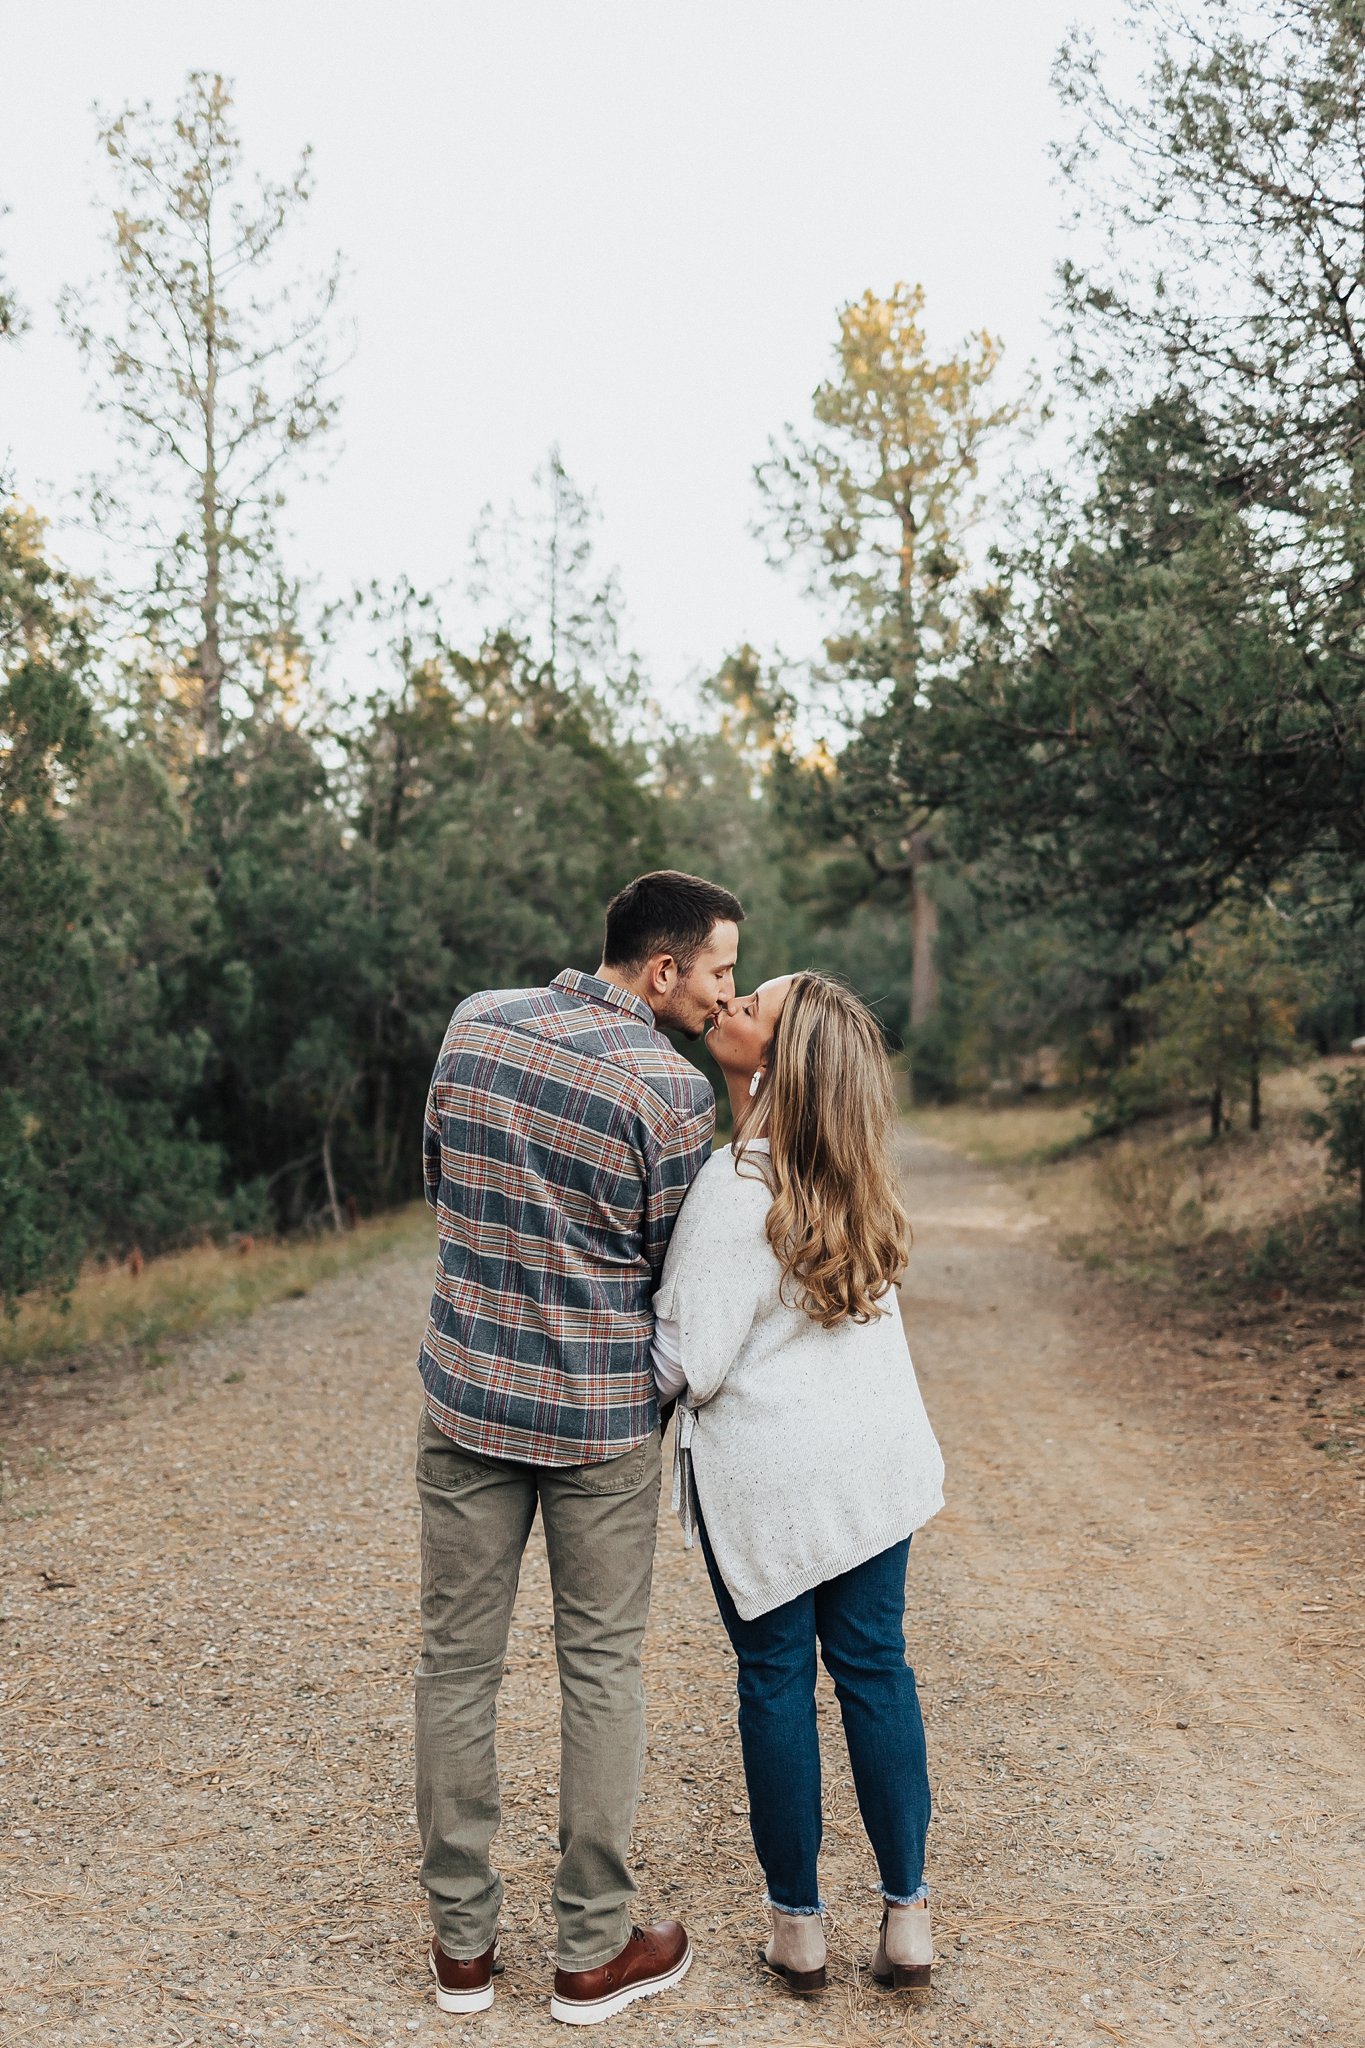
point(848, 1560)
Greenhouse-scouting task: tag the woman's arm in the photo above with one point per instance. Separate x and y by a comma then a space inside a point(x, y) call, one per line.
point(666, 1353)
point(716, 1276)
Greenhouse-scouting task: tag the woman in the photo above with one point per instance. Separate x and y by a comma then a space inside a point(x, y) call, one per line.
point(803, 1449)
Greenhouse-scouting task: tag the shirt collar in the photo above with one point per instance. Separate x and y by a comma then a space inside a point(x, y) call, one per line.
point(595, 990)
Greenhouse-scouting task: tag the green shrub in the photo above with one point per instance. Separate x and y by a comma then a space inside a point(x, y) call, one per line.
point(1341, 1124)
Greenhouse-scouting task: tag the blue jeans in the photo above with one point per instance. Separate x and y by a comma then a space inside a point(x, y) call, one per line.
point(857, 1620)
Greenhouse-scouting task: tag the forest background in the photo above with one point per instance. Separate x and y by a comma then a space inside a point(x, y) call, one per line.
point(1083, 807)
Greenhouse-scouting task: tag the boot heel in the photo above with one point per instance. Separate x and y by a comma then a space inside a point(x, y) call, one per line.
point(910, 1977)
point(803, 1983)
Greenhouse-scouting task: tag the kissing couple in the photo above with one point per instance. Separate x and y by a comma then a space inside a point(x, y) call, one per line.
point(597, 1264)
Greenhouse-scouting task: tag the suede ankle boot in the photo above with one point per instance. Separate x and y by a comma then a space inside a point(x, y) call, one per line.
point(796, 1951)
point(905, 1948)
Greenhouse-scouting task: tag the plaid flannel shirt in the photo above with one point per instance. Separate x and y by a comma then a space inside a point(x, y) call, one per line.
point(562, 1132)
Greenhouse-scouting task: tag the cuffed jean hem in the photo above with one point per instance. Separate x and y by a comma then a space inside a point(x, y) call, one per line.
point(913, 1900)
point(797, 1912)
point(597, 1958)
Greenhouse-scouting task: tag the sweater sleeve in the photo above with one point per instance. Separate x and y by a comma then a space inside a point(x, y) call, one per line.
point(720, 1269)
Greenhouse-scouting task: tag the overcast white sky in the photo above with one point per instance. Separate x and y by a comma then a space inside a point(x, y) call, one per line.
point(624, 225)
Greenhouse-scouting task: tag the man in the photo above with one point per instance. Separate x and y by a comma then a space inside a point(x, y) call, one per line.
point(562, 1132)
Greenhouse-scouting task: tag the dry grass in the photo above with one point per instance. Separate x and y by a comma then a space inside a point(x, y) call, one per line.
point(113, 1309)
point(1162, 1186)
point(1007, 1133)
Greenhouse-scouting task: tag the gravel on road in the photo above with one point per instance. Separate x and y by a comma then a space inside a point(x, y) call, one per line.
point(1137, 1625)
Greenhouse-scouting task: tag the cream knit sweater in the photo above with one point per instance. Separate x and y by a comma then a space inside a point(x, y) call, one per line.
point(810, 1448)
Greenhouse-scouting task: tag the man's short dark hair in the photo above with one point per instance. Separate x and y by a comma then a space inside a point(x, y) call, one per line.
point(667, 912)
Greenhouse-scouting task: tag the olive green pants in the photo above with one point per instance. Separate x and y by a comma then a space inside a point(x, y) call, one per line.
point(599, 1525)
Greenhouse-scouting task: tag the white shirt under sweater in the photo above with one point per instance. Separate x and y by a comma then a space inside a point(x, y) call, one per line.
point(810, 1448)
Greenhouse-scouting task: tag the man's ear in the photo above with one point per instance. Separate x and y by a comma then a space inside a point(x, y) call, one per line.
point(663, 972)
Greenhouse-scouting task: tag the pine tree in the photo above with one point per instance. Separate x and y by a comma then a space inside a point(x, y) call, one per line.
point(215, 372)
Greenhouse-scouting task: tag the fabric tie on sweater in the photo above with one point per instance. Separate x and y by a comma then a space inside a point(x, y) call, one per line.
point(684, 1485)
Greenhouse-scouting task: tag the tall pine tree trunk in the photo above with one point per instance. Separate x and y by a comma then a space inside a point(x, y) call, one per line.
point(1254, 1079)
point(210, 651)
point(925, 983)
point(330, 1177)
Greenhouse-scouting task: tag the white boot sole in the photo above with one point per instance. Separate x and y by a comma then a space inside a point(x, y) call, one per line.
point(588, 2012)
point(460, 2001)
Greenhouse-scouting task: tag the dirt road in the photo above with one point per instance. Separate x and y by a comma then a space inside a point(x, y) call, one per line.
point(1137, 1626)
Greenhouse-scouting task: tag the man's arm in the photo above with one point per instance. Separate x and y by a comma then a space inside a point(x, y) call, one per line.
point(682, 1150)
point(431, 1131)
point(431, 1149)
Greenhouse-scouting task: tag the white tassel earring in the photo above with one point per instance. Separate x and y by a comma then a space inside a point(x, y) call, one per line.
point(756, 1082)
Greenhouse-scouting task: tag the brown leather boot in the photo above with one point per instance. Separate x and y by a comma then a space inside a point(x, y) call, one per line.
point(905, 1948)
point(796, 1952)
point(463, 1987)
point(654, 1959)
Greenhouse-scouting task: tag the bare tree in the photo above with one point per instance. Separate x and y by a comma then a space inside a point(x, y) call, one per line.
point(534, 565)
point(13, 319)
point(215, 372)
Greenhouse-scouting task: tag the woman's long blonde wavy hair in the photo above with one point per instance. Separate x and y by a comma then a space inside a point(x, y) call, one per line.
point(826, 1105)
